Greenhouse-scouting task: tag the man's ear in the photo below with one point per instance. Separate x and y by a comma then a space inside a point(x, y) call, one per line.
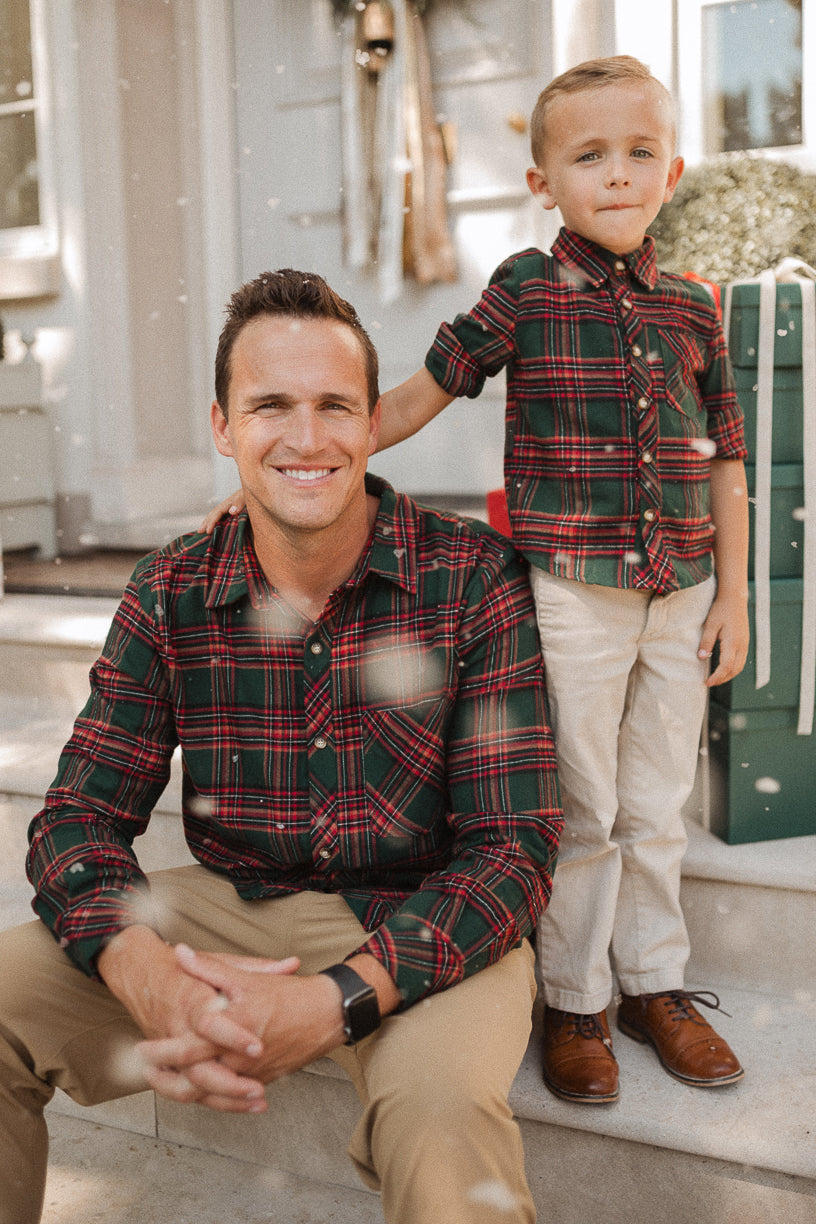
point(675, 174)
point(540, 187)
point(220, 430)
point(374, 421)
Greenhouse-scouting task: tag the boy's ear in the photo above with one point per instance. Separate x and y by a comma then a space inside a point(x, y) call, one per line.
point(540, 188)
point(675, 173)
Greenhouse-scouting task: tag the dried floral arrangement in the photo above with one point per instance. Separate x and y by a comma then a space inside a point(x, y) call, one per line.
point(736, 214)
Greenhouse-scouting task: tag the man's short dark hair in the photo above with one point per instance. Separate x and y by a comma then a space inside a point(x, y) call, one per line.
point(299, 295)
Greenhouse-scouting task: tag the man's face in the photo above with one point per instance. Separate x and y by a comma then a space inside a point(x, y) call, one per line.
point(608, 162)
point(299, 427)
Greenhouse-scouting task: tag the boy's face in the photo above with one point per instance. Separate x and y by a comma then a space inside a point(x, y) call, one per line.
point(608, 162)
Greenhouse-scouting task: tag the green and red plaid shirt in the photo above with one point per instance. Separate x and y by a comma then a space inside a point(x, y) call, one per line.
point(618, 384)
point(396, 752)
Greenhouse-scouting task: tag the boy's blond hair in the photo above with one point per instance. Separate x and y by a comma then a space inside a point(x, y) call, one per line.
point(591, 74)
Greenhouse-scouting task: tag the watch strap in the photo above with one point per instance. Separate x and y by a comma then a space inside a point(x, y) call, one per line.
point(361, 1010)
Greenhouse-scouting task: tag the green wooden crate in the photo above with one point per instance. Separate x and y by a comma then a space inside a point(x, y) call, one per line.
point(743, 335)
point(782, 691)
point(787, 519)
point(763, 775)
point(787, 433)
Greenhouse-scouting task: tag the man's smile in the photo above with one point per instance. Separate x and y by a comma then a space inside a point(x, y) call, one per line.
point(305, 473)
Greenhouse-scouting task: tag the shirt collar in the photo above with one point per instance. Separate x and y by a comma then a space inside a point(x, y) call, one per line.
point(233, 569)
point(594, 264)
point(227, 569)
point(394, 540)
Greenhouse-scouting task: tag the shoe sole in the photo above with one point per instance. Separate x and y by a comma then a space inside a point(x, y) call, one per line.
point(579, 1098)
point(643, 1039)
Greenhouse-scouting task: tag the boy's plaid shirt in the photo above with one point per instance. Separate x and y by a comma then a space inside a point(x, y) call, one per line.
point(619, 390)
point(396, 752)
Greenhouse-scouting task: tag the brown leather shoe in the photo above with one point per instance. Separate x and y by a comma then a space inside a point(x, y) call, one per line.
point(685, 1043)
point(579, 1064)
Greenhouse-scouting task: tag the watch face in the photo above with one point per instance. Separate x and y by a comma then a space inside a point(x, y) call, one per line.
point(362, 1014)
point(361, 1011)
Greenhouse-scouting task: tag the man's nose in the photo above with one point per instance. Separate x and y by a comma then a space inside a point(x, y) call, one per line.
point(306, 432)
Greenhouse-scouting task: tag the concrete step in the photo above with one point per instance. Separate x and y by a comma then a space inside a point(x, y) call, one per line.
point(751, 912)
point(97, 1174)
point(48, 644)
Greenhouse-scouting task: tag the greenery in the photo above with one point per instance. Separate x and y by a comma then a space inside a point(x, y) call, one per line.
point(735, 215)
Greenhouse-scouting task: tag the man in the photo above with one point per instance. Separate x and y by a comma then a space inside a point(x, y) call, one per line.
point(356, 688)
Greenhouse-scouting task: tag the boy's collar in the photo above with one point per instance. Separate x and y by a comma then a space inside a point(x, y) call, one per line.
point(596, 264)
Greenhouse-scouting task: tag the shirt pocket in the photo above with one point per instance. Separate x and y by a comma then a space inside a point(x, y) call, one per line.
point(404, 768)
point(682, 366)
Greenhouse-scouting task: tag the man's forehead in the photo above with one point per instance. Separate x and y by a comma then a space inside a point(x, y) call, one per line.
point(296, 327)
point(281, 352)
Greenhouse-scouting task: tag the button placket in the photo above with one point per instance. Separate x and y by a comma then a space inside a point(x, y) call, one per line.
point(646, 420)
point(322, 760)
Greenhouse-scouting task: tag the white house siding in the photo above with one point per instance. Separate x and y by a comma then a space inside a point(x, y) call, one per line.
point(235, 142)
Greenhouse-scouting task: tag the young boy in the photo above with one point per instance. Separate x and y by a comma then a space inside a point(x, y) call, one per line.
point(624, 480)
point(626, 491)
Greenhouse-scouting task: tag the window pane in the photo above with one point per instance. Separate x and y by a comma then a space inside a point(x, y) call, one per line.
point(752, 74)
point(19, 195)
point(15, 51)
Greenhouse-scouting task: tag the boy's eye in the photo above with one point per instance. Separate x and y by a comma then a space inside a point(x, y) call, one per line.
point(589, 157)
point(644, 153)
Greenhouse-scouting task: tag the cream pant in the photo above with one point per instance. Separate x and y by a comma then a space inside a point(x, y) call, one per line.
point(627, 699)
point(436, 1136)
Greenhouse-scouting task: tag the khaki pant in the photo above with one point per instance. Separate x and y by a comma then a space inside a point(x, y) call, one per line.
point(627, 697)
point(436, 1136)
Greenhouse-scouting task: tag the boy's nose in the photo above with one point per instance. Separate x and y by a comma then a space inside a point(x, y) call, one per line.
point(618, 175)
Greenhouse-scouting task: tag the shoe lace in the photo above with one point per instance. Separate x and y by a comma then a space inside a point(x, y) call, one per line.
point(682, 1002)
point(587, 1026)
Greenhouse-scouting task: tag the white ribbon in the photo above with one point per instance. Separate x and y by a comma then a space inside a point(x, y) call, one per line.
point(789, 270)
point(807, 676)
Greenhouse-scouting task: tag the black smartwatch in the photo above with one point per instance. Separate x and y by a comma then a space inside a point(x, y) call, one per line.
point(361, 1011)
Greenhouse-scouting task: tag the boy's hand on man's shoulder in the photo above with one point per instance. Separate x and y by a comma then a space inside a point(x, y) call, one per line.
point(728, 627)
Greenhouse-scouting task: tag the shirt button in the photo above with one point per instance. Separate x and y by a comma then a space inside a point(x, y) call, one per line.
point(637, 351)
point(643, 402)
point(620, 266)
point(626, 304)
point(650, 515)
point(316, 647)
point(325, 854)
point(321, 741)
point(647, 456)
